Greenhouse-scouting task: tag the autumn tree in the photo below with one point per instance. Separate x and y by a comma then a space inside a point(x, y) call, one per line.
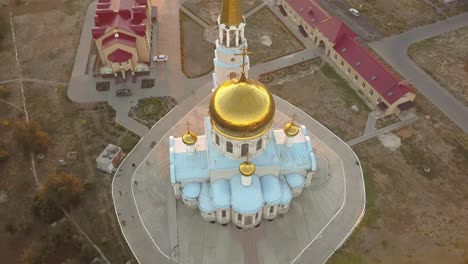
point(31, 137)
point(57, 192)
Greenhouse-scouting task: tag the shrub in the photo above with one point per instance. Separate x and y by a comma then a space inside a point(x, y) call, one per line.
point(4, 155)
point(31, 137)
point(4, 92)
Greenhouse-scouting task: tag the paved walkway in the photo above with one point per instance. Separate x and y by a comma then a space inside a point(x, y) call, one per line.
point(370, 125)
point(384, 130)
point(394, 51)
point(194, 17)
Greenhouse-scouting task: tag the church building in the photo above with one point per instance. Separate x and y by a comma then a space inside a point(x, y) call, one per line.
point(242, 170)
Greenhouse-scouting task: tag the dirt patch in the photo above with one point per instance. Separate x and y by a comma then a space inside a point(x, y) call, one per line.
point(197, 56)
point(268, 37)
point(412, 215)
point(445, 58)
point(390, 141)
point(308, 87)
point(209, 10)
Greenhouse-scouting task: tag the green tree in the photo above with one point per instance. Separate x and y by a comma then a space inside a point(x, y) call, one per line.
point(31, 137)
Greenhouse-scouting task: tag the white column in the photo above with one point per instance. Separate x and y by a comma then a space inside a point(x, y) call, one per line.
point(289, 140)
point(237, 38)
point(228, 38)
point(221, 31)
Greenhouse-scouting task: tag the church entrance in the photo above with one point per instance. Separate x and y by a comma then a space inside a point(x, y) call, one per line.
point(245, 150)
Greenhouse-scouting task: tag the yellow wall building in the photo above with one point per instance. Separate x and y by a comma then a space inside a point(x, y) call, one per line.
point(371, 79)
point(122, 34)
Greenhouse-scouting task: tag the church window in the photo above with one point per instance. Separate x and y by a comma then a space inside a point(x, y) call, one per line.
point(217, 139)
point(363, 85)
point(223, 214)
point(335, 57)
point(342, 63)
point(232, 75)
point(233, 59)
point(356, 77)
point(229, 146)
point(244, 150)
point(248, 220)
point(371, 92)
point(349, 70)
point(239, 217)
point(259, 144)
point(379, 100)
point(272, 209)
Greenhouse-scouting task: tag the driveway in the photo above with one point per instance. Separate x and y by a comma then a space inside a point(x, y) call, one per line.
point(394, 51)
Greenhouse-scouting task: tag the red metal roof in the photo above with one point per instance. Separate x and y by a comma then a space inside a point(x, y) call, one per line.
point(122, 39)
point(334, 29)
point(309, 11)
point(127, 15)
point(374, 72)
point(119, 55)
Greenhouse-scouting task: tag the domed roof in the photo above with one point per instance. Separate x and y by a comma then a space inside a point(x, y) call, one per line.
point(242, 109)
point(291, 129)
point(247, 168)
point(189, 138)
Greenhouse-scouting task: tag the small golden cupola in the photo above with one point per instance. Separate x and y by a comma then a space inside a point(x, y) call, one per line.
point(242, 109)
point(189, 139)
point(291, 129)
point(247, 169)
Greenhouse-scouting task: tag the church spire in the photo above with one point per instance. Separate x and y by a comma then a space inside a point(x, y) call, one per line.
point(231, 14)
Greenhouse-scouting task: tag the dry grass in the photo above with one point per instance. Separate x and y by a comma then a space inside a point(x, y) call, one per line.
point(445, 58)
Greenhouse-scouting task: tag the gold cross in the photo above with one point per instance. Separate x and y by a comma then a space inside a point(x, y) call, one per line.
point(188, 125)
point(243, 54)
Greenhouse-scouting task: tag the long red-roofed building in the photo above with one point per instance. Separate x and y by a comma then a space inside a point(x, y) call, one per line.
point(122, 34)
point(372, 79)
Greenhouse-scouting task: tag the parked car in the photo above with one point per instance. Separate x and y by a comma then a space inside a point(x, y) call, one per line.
point(123, 92)
point(160, 58)
point(354, 12)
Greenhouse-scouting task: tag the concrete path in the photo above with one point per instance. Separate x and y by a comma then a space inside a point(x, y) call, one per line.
point(370, 125)
point(394, 51)
point(194, 17)
point(254, 10)
point(384, 130)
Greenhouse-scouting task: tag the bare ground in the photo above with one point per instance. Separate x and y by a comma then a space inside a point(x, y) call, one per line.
point(209, 10)
point(325, 99)
point(197, 58)
point(414, 216)
point(445, 58)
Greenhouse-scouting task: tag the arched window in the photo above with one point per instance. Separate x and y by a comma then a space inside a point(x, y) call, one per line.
point(244, 150)
point(229, 146)
point(248, 220)
point(217, 139)
point(259, 144)
point(232, 75)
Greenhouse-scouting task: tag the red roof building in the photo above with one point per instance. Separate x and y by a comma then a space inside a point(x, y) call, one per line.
point(122, 34)
point(367, 74)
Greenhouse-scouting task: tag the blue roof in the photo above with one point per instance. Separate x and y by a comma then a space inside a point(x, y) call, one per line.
point(191, 190)
point(286, 193)
point(221, 194)
point(246, 199)
point(204, 201)
point(295, 156)
point(295, 180)
point(271, 189)
point(190, 166)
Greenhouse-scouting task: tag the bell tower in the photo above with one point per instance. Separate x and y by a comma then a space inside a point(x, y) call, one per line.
point(231, 41)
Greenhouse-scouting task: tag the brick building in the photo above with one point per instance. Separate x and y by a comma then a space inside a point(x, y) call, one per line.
point(371, 79)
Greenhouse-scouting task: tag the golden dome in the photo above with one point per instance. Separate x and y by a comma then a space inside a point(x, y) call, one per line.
point(247, 168)
point(291, 129)
point(242, 109)
point(189, 138)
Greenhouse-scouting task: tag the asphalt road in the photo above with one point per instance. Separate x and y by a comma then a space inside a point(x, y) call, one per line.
point(394, 51)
